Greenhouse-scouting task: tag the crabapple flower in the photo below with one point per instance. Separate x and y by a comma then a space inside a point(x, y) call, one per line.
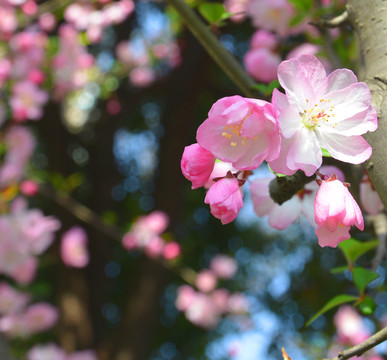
point(197, 164)
point(73, 247)
point(351, 328)
point(335, 211)
point(319, 111)
point(262, 64)
point(225, 199)
point(220, 170)
point(369, 198)
point(241, 131)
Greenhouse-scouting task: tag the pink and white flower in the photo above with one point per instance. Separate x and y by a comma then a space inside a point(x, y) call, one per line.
point(241, 131)
point(225, 199)
point(319, 111)
point(335, 212)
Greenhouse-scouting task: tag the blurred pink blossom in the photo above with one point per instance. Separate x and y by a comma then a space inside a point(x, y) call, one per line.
point(205, 280)
point(369, 198)
point(224, 266)
point(73, 247)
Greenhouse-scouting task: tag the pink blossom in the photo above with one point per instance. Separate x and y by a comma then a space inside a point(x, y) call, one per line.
point(73, 247)
point(142, 76)
point(224, 266)
point(238, 303)
point(220, 170)
point(203, 312)
point(40, 317)
point(27, 101)
point(47, 22)
point(369, 198)
point(154, 247)
point(34, 319)
point(205, 280)
point(145, 233)
point(197, 164)
point(241, 131)
point(11, 300)
point(317, 111)
point(29, 188)
point(272, 15)
point(171, 250)
point(335, 211)
point(262, 64)
point(46, 352)
point(220, 298)
point(20, 145)
point(225, 199)
point(264, 39)
point(237, 7)
point(185, 297)
point(351, 328)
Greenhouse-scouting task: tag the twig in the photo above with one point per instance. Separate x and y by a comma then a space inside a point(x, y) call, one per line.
point(283, 188)
point(361, 348)
point(92, 219)
point(333, 22)
point(222, 57)
point(81, 212)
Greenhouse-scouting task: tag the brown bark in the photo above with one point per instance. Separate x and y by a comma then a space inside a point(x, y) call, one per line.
point(369, 20)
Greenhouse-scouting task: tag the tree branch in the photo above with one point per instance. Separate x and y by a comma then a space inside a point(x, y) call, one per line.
point(215, 49)
point(283, 188)
point(361, 348)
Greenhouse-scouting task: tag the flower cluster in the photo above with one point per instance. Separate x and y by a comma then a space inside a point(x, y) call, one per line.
point(205, 306)
point(25, 234)
point(317, 111)
point(146, 234)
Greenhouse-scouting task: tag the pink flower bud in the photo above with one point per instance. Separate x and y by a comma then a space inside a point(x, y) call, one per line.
point(197, 164)
point(335, 211)
point(29, 188)
point(225, 199)
point(171, 250)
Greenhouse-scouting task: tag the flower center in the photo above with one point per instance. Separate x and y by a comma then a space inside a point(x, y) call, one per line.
point(317, 113)
point(230, 130)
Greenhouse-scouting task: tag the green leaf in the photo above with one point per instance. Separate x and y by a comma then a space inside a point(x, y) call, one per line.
point(362, 277)
point(338, 270)
point(302, 5)
point(297, 19)
point(353, 249)
point(336, 301)
point(213, 12)
point(367, 306)
point(325, 153)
